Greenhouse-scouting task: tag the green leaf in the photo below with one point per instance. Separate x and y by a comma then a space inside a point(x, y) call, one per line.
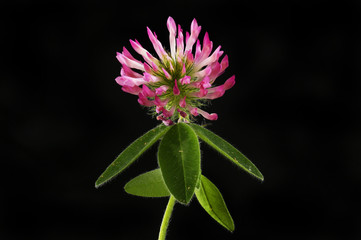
point(179, 161)
point(149, 184)
point(131, 153)
point(212, 201)
point(226, 149)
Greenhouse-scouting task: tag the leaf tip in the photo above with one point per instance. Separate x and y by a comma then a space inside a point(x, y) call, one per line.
point(126, 189)
point(260, 176)
point(99, 183)
point(229, 225)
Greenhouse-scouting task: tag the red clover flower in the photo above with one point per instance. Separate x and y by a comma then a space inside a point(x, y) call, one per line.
point(178, 82)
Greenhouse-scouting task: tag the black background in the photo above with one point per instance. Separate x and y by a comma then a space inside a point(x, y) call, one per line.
point(293, 112)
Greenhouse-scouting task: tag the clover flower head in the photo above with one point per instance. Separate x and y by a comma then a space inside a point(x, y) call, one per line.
point(176, 84)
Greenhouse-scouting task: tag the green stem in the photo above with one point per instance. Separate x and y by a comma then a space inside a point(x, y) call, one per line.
point(166, 217)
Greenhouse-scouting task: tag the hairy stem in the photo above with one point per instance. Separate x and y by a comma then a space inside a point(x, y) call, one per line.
point(166, 217)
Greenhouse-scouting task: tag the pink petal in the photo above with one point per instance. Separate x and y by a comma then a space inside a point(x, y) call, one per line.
point(172, 32)
point(172, 27)
point(207, 49)
point(155, 67)
point(171, 67)
point(224, 63)
point(129, 62)
point(129, 81)
point(156, 44)
point(132, 90)
point(195, 30)
point(184, 70)
point(182, 102)
point(161, 90)
point(198, 50)
point(205, 82)
point(219, 91)
point(214, 93)
point(129, 72)
point(216, 71)
point(165, 112)
point(205, 72)
point(147, 68)
point(169, 113)
point(159, 102)
point(201, 93)
point(193, 110)
point(167, 75)
point(206, 42)
point(209, 60)
point(180, 42)
point(220, 53)
point(144, 100)
point(230, 82)
point(147, 92)
point(185, 80)
point(127, 54)
point(189, 56)
point(175, 88)
point(150, 78)
point(141, 51)
point(212, 116)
